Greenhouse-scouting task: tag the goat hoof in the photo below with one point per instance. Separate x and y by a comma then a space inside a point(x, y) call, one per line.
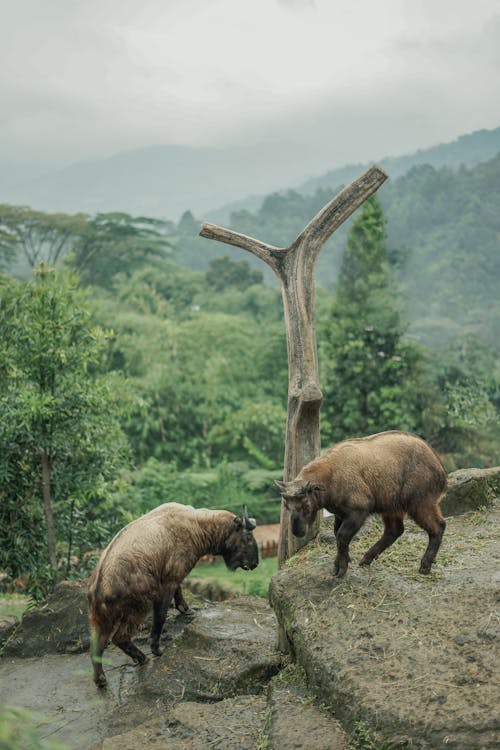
point(424, 571)
point(156, 650)
point(101, 681)
point(365, 561)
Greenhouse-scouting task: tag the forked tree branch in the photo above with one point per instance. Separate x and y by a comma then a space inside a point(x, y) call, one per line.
point(319, 229)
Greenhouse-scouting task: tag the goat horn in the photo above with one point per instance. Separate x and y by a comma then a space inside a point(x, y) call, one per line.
point(249, 522)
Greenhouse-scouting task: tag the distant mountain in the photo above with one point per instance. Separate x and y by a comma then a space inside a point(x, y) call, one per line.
point(467, 150)
point(164, 181)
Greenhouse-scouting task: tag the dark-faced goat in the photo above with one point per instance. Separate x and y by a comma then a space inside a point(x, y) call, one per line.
point(391, 473)
point(143, 566)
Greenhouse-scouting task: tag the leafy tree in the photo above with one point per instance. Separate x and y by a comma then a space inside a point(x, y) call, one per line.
point(227, 485)
point(192, 370)
point(36, 236)
point(166, 290)
point(370, 374)
point(61, 446)
point(254, 433)
point(465, 419)
point(225, 272)
point(115, 243)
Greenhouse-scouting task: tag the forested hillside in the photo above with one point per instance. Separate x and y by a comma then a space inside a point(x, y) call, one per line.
point(467, 151)
point(443, 230)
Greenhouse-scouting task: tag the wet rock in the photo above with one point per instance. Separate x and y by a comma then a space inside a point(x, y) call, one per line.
point(389, 660)
point(227, 650)
point(58, 626)
point(223, 658)
point(295, 721)
point(469, 489)
point(229, 724)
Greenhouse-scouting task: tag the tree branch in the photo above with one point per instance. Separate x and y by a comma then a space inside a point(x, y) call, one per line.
point(262, 250)
point(340, 208)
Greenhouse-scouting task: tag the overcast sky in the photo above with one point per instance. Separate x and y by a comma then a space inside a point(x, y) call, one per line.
point(85, 79)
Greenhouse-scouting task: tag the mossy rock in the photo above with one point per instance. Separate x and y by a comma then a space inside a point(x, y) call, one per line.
point(58, 626)
point(470, 489)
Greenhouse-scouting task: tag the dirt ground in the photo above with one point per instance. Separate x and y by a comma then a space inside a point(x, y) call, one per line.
point(409, 659)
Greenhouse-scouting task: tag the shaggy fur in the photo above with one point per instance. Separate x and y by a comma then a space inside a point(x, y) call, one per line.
point(143, 566)
point(391, 473)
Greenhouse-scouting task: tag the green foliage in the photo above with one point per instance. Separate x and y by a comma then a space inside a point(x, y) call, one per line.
point(115, 243)
point(166, 291)
point(371, 377)
point(228, 486)
point(225, 272)
point(450, 220)
point(33, 237)
point(250, 583)
point(464, 419)
point(445, 225)
point(197, 377)
point(195, 370)
point(254, 431)
point(54, 403)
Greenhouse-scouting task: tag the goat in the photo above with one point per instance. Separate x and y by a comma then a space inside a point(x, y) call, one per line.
point(143, 566)
point(392, 473)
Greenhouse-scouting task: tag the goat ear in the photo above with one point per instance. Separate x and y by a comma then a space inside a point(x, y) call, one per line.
point(316, 487)
point(280, 485)
point(238, 522)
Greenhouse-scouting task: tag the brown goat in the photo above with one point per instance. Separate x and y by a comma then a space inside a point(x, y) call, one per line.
point(143, 566)
point(391, 473)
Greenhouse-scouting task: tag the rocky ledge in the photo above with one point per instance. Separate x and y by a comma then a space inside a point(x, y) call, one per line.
point(404, 660)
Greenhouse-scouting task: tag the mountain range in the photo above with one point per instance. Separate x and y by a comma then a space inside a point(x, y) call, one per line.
point(165, 181)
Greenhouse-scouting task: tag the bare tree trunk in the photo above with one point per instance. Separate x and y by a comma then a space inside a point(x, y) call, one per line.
point(47, 509)
point(295, 267)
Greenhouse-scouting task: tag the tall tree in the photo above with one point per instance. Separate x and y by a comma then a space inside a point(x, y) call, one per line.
point(370, 373)
point(35, 236)
point(114, 243)
point(60, 443)
point(225, 272)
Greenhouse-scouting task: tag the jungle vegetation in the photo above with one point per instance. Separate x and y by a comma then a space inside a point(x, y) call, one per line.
point(140, 364)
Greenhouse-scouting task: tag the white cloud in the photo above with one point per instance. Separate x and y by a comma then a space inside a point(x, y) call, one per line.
point(89, 77)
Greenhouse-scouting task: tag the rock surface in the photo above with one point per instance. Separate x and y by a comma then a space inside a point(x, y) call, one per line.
point(410, 660)
point(209, 689)
point(295, 722)
point(59, 626)
point(471, 489)
point(231, 723)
